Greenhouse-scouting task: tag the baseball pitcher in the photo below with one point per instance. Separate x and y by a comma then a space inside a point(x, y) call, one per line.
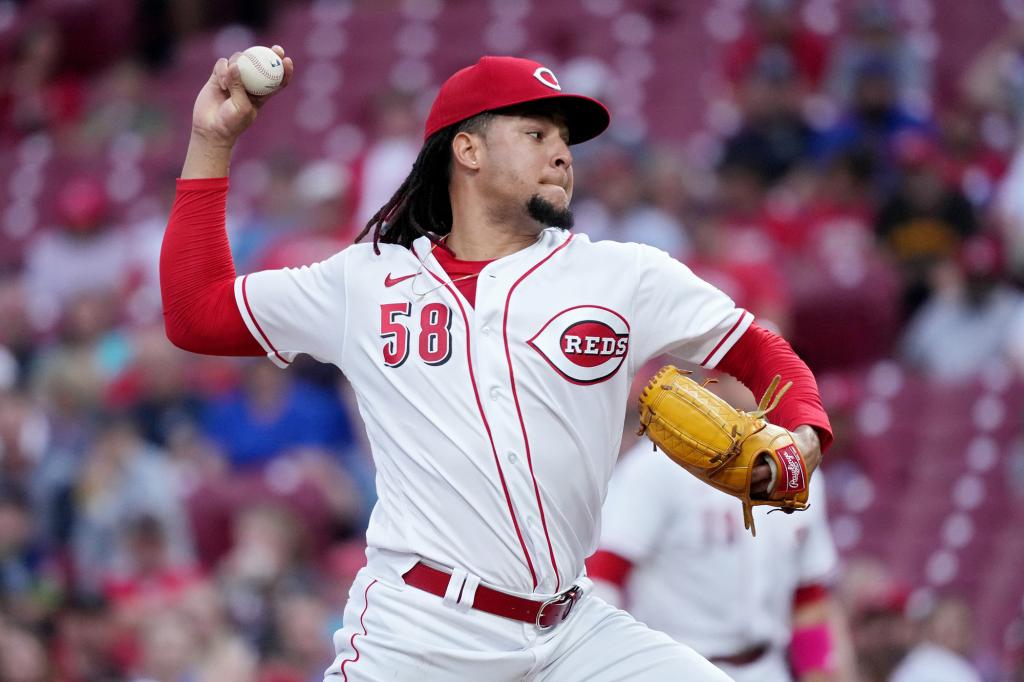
point(491, 350)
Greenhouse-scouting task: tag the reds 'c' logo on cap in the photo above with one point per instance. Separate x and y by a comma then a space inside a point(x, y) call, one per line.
point(585, 344)
point(547, 77)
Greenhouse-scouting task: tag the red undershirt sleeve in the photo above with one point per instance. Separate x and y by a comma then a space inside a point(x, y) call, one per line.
point(756, 358)
point(197, 274)
point(609, 566)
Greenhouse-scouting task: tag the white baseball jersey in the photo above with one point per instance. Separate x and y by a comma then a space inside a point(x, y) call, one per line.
point(494, 427)
point(697, 574)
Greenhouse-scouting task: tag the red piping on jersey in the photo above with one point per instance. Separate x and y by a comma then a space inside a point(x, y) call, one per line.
point(487, 427)
point(704, 362)
point(245, 299)
point(519, 411)
point(352, 642)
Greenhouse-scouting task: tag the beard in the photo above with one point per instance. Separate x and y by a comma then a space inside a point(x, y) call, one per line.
point(549, 215)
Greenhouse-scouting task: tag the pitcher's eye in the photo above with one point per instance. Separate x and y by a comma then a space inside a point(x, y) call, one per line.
point(536, 134)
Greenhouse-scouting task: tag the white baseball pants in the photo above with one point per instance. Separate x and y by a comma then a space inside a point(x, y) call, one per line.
point(396, 632)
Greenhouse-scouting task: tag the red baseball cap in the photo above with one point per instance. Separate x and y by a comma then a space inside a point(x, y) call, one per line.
point(499, 82)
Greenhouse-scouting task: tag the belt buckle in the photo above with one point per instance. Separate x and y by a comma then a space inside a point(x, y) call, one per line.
point(571, 596)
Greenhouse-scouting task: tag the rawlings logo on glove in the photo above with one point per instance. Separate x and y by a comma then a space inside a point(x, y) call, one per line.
point(793, 464)
point(721, 445)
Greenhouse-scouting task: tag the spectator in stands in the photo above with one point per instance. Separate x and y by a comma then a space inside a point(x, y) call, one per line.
point(89, 340)
point(148, 579)
point(618, 209)
point(17, 334)
point(775, 27)
point(970, 162)
point(144, 234)
point(85, 644)
point(120, 103)
point(874, 120)
point(23, 587)
point(155, 388)
point(945, 646)
point(1008, 210)
point(65, 391)
point(875, 36)
point(231, 662)
point(730, 257)
point(222, 655)
point(266, 560)
point(875, 603)
point(994, 84)
point(69, 379)
point(273, 413)
point(741, 199)
point(840, 214)
point(773, 138)
point(924, 220)
point(40, 93)
point(273, 209)
point(168, 649)
point(121, 480)
point(673, 187)
point(322, 220)
point(389, 156)
point(23, 437)
point(340, 565)
point(146, 584)
point(975, 318)
point(841, 283)
point(994, 80)
point(302, 638)
point(86, 253)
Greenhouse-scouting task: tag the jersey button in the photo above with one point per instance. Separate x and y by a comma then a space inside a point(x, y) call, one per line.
point(486, 331)
point(495, 393)
point(512, 459)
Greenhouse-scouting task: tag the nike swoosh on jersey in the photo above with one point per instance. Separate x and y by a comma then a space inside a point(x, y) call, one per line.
point(390, 281)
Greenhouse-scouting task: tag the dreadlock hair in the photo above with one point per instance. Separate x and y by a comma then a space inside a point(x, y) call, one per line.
point(422, 206)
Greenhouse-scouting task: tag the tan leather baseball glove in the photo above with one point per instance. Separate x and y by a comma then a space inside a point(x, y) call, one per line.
point(721, 445)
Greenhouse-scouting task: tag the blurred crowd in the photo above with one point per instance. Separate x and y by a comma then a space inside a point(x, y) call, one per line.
point(169, 517)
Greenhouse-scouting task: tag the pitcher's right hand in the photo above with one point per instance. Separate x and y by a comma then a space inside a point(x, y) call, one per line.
point(223, 109)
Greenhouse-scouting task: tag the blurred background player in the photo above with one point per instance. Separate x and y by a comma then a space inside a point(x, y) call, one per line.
point(682, 562)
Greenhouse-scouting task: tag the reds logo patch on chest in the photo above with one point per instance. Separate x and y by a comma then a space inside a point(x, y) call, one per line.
point(585, 344)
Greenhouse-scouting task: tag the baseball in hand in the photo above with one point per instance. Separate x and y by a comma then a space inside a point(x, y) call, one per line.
point(261, 69)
